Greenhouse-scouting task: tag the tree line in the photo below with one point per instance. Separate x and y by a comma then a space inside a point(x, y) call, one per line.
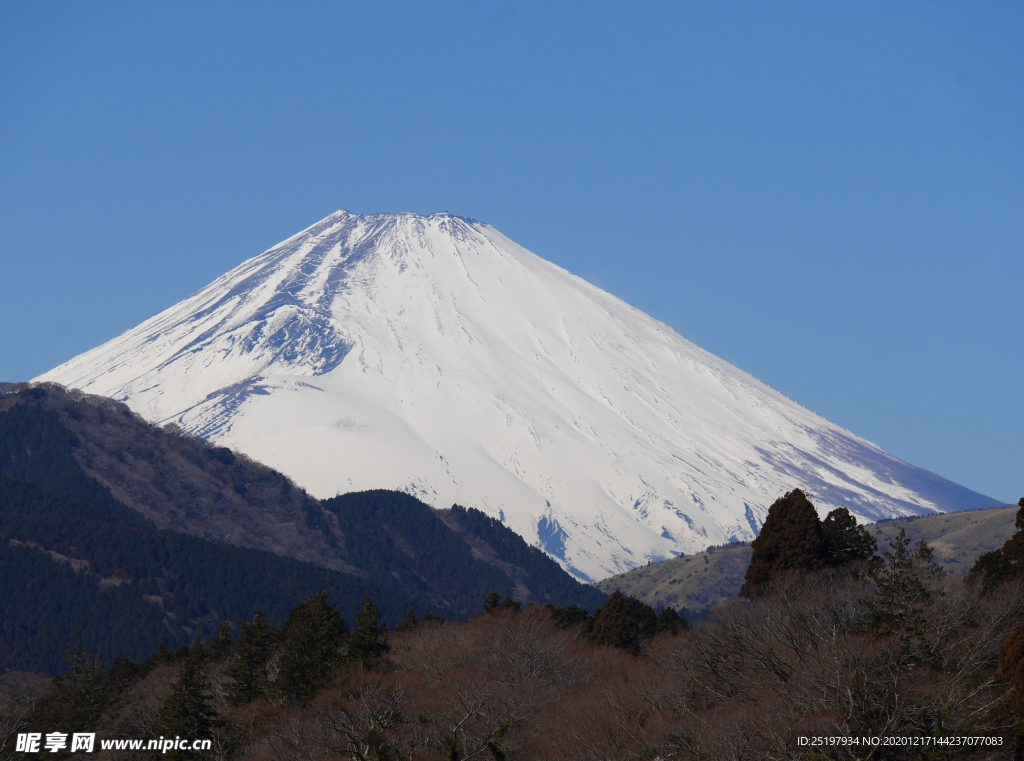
point(827, 639)
point(206, 691)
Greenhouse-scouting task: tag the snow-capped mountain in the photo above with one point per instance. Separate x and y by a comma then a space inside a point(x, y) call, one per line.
point(436, 356)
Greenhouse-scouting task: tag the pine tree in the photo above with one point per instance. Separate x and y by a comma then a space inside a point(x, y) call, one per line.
point(369, 642)
point(249, 668)
point(188, 712)
point(75, 699)
point(904, 588)
point(163, 654)
point(221, 644)
point(311, 647)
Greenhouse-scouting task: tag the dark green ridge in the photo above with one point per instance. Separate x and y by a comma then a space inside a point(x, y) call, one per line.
point(392, 533)
point(540, 571)
point(161, 586)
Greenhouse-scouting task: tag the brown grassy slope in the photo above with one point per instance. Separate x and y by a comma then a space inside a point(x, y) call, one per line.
point(700, 581)
point(957, 538)
point(696, 581)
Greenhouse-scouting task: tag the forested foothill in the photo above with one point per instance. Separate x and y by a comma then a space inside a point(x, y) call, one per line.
point(124, 588)
point(123, 534)
point(453, 558)
point(828, 640)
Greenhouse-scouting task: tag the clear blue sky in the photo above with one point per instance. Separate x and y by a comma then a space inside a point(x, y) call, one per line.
point(828, 195)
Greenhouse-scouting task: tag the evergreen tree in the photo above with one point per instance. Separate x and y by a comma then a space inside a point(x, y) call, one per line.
point(123, 673)
point(791, 539)
point(904, 588)
point(188, 712)
point(75, 699)
point(844, 541)
point(311, 647)
point(249, 669)
point(571, 615)
point(221, 644)
point(624, 622)
point(670, 621)
point(369, 642)
point(163, 654)
point(494, 604)
point(642, 617)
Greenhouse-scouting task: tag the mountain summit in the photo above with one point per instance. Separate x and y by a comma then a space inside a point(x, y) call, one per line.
point(435, 356)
